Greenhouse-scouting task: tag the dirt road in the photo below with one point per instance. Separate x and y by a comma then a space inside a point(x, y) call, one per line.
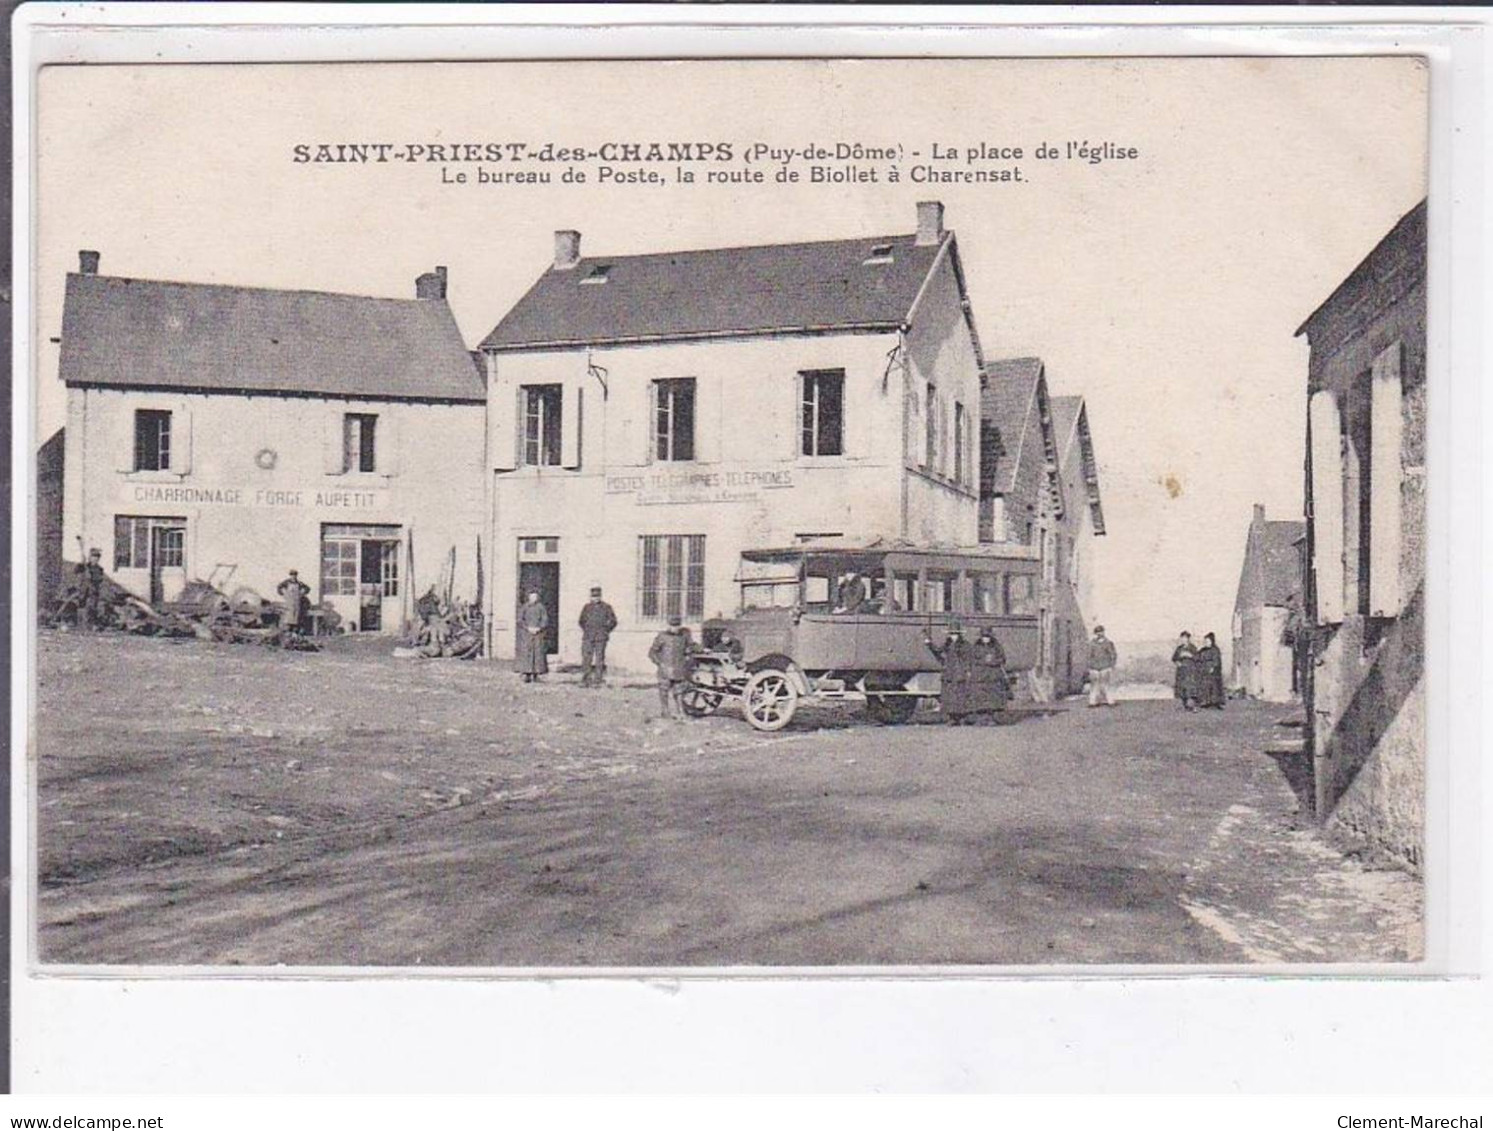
point(222, 804)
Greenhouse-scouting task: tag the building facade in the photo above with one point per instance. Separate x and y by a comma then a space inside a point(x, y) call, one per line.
point(1071, 543)
point(1267, 610)
point(1039, 487)
point(650, 417)
point(1365, 542)
point(230, 434)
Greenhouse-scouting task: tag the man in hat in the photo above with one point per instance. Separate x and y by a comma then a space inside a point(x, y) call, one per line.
point(670, 655)
point(960, 697)
point(1102, 662)
point(597, 622)
point(91, 590)
point(852, 593)
point(293, 592)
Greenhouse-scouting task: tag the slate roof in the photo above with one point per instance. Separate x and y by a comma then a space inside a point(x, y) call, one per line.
point(1064, 415)
point(1006, 401)
point(682, 295)
point(1280, 561)
point(142, 333)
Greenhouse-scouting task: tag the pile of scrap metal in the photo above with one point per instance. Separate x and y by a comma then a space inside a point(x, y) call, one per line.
point(444, 630)
point(200, 610)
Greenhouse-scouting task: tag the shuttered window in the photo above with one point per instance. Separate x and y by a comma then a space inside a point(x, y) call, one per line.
point(671, 576)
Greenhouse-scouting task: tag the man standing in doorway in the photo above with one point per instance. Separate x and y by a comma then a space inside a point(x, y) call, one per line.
point(670, 654)
point(533, 656)
point(1102, 660)
point(597, 622)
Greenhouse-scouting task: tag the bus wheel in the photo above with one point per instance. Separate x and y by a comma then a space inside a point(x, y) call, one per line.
point(769, 700)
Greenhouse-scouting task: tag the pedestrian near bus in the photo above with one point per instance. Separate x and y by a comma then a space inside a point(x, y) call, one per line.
point(533, 656)
point(670, 654)
point(1210, 692)
point(959, 696)
point(598, 620)
point(1184, 686)
point(1102, 660)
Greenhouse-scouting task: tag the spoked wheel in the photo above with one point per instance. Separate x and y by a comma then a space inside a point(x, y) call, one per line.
point(891, 709)
point(769, 700)
point(699, 701)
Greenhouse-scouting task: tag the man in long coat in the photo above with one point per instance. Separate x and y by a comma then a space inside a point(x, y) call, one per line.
point(533, 658)
point(598, 619)
point(961, 696)
point(1210, 692)
point(1184, 686)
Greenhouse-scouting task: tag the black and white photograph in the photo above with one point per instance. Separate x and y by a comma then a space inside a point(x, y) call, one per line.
point(957, 515)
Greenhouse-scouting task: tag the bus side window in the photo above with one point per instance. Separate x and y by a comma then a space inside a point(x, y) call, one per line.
point(989, 598)
point(1020, 595)
point(905, 592)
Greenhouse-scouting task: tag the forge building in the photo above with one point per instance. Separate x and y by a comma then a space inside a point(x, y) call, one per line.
point(1039, 487)
point(651, 416)
point(1365, 544)
point(233, 433)
point(1267, 609)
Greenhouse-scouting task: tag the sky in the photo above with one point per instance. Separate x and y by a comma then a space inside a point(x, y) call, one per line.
point(1165, 288)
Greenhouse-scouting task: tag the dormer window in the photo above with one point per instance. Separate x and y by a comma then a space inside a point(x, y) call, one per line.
point(598, 274)
point(881, 253)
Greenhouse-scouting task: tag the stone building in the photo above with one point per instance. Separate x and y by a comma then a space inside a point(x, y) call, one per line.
point(652, 416)
point(1365, 544)
point(49, 548)
point(1039, 487)
point(1267, 609)
point(232, 433)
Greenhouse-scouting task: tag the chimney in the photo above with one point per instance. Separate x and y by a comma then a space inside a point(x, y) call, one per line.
point(1259, 514)
point(567, 250)
point(432, 284)
point(930, 222)
point(88, 263)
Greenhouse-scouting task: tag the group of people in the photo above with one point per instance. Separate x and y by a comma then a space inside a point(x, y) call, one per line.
point(975, 683)
point(1199, 678)
point(598, 620)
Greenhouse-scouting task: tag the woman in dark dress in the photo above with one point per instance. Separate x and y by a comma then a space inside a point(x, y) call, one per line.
point(992, 685)
point(1184, 656)
point(1210, 691)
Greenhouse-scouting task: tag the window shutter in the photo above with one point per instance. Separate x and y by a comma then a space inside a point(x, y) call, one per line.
point(122, 431)
point(1386, 473)
point(331, 441)
point(707, 420)
point(181, 438)
point(388, 442)
point(1327, 505)
point(572, 401)
point(503, 407)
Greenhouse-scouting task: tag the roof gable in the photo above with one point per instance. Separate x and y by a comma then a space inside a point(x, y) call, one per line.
point(836, 285)
point(141, 333)
point(1070, 417)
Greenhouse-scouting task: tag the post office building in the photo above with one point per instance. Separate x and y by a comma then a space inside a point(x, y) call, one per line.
point(653, 416)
